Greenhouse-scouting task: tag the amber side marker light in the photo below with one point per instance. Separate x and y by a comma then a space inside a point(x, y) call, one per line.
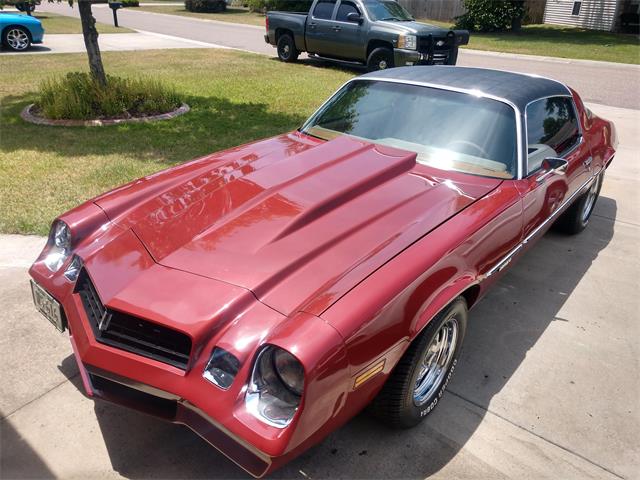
point(369, 373)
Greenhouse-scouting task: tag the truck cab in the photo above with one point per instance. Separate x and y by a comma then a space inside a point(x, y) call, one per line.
point(378, 33)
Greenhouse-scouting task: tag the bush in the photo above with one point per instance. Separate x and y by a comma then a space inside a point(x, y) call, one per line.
point(491, 15)
point(78, 96)
point(285, 5)
point(130, 3)
point(207, 6)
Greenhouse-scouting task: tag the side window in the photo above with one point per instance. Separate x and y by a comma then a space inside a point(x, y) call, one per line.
point(345, 9)
point(324, 9)
point(552, 129)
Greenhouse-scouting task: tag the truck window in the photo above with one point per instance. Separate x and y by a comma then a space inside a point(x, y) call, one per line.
point(324, 9)
point(345, 9)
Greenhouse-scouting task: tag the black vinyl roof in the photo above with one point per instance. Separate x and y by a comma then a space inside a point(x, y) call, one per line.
point(518, 88)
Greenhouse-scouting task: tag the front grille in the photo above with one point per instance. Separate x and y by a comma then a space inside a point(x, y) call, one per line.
point(133, 334)
point(434, 54)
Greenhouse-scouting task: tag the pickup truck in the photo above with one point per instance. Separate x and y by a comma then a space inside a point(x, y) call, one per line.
point(378, 33)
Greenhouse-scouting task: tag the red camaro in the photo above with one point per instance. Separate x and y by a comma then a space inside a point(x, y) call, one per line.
point(266, 294)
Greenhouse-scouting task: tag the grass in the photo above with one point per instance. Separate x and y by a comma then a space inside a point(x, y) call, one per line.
point(558, 41)
point(54, 23)
point(78, 96)
point(235, 98)
point(232, 15)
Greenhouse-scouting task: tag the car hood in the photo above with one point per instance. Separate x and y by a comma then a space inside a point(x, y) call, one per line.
point(415, 28)
point(296, 220)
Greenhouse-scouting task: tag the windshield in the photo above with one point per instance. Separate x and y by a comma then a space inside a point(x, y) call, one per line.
point(448, 130)
point(387, 10)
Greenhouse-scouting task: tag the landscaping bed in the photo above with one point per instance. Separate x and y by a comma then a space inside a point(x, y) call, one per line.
point(234, 98)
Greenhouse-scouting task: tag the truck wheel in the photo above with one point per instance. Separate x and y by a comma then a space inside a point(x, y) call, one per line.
point(576, 217)
point(380, 59)
point(16, 38)
point(287, 51)
point(416, 385)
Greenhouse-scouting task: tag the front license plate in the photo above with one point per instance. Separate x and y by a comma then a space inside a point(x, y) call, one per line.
point(47, 306)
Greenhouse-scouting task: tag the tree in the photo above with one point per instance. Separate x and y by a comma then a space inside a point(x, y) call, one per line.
point(90, 34)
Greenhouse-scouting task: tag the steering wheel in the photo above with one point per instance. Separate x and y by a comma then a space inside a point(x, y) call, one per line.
point(466, 143)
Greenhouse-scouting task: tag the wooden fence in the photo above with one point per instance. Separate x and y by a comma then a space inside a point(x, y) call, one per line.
point(447, 10)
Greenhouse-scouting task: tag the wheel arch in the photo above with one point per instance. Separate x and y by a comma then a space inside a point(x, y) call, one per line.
point(466, 287)
point(16, 25)
point(373, 44)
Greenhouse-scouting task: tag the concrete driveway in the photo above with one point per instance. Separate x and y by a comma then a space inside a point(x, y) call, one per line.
point(548, 387)
point(112, 42)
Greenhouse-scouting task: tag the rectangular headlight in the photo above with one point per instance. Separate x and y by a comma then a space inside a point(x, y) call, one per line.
point(410, 42)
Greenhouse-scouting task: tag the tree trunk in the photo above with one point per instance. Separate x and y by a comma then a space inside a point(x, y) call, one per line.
point(91, 41)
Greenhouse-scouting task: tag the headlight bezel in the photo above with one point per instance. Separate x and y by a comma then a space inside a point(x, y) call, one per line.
point(268, 397)
point(222, 368)
point(408, 42)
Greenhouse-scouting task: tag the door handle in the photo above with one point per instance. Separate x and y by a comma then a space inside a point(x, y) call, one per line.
point(587, 163)
point(337, 28)
point(312, 25)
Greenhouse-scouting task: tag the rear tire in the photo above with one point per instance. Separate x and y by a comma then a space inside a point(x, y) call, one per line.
point(286, 47)
point(576, 218)
point(16, 38)
point(414, 388)
point(380, 59)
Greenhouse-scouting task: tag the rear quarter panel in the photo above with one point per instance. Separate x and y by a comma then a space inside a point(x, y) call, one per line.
point(280, 22)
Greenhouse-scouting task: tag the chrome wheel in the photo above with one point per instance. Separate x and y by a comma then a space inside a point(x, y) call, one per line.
point(382, 65)
point(17, 39)
point(592, 195)
point(435, 362)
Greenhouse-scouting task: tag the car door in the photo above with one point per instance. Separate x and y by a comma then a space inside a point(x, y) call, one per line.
point(320, 27)
point(347, 41)
point(553, 130)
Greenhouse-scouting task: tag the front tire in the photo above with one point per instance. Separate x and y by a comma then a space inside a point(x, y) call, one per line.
point(416, 385)
point(286, 47)
point(380, 59)
point(576, 218)
point(16, 38)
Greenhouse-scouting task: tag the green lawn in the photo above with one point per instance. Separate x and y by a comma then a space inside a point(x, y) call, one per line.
point(54, 23)
point(235, 98)
point(233, 15)
point(558, 41)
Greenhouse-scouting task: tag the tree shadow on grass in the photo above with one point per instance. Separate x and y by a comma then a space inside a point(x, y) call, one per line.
point(212, 124)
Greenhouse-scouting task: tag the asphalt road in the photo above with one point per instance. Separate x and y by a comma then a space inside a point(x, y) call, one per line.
point(598, 82)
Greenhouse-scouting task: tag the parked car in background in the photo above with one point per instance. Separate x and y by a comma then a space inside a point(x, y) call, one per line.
point(18, 31)
point(378, 33)
point(266, 294)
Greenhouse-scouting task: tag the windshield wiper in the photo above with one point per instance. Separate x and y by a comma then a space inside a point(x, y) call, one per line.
point(390, 18)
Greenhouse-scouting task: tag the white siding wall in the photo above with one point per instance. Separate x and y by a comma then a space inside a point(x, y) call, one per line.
point(594, 14)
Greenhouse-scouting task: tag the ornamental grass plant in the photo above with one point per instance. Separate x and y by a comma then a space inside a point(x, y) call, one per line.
point(78, 96)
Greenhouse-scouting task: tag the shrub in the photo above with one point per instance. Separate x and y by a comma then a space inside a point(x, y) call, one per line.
point(130, 3)
point(207, 6)
point(285, 5)
point(490, 15)
point(78, 96)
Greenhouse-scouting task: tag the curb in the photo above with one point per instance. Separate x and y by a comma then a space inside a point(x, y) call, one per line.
point(28, 116)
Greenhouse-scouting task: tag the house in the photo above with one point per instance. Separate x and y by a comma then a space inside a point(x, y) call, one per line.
point(607, 15)
point(610, 15)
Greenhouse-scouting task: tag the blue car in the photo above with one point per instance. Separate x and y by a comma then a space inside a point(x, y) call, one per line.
point(18, 32)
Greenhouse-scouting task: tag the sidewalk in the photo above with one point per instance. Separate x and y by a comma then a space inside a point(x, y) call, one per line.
point(74, 43)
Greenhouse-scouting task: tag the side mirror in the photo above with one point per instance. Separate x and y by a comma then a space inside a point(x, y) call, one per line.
point(354, 17)
point(551, 166)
